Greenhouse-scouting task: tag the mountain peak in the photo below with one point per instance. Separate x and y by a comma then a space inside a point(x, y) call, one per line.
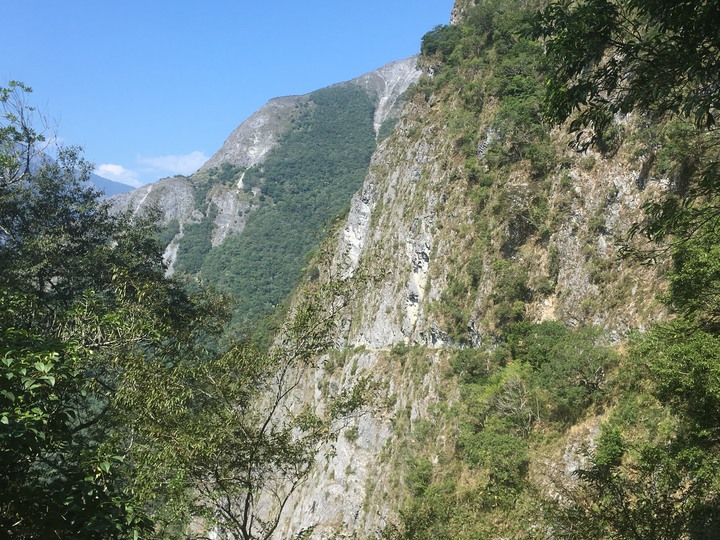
point(251, 141)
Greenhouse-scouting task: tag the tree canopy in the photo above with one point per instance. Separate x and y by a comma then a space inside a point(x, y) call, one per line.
point(612, 56)
point(121, 416)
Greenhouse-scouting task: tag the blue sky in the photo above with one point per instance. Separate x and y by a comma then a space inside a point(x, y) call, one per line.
point(152, 88)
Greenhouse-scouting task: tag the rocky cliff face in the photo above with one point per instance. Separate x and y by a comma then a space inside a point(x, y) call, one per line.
point(417, 234)
point(191, 200)
point(173, 196)
point(407, 230)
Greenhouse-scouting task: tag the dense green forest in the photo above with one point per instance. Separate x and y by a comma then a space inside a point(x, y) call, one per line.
point(303, 184)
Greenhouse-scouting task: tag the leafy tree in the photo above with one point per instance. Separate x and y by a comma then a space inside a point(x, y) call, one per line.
point(441, 41)
point(245, 441)
point(569, 367)
point(84, 303)
point(119, 415)
point(611, 56)
point(20, 142)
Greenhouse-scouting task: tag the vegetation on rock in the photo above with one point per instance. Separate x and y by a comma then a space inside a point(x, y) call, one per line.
point(654, 470)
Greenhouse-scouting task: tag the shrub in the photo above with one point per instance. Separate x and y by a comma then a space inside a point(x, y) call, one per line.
point(441, 41)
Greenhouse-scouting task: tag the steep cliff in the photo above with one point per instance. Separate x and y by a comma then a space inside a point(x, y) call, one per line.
point(250, 216)
point(461, 235)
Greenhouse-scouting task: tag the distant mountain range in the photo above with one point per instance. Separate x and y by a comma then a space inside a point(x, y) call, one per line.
point(109, 187)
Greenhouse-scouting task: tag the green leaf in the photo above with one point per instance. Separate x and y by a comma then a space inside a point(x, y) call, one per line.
point(42, 367)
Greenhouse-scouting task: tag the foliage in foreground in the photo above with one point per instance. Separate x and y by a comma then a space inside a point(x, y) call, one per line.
point(120, 416)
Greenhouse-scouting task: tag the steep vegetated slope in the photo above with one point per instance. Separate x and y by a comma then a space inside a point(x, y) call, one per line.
point(249, 219)
point(502, 284)
point(301, 185)
point(540, 324)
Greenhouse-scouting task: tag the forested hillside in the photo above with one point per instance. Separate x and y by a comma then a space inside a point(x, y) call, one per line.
point(319, 163)
point(540, 237)
point(513, 332)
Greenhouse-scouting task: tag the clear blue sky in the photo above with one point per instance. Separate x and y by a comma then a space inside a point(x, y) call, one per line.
point(152, 88)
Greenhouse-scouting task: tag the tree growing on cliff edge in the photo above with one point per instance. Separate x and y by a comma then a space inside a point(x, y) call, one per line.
point(657, 57)
point(613, 56)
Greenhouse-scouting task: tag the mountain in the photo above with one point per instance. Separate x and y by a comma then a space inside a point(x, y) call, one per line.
point(108, 187)
point(249, 144)
point(249, 218)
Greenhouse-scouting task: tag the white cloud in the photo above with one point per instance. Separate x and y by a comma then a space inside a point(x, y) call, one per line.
point(153, 168)
point(118, 173)
point(184, 164)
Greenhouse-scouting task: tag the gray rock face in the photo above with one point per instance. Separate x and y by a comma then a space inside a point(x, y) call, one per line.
point(255, 137)
point(232, 210)
point(355, 489)
point(389, 232)
point(388, 84)
point(173, 196)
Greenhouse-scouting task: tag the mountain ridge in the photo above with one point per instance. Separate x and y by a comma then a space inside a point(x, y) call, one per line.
point(298, 158)
point(249, 143)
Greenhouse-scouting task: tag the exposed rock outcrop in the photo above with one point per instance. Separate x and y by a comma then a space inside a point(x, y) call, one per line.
point(250, 142)
point(174, 197)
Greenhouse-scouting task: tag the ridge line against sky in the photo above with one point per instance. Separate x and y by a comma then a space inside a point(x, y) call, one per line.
point(153, 88)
